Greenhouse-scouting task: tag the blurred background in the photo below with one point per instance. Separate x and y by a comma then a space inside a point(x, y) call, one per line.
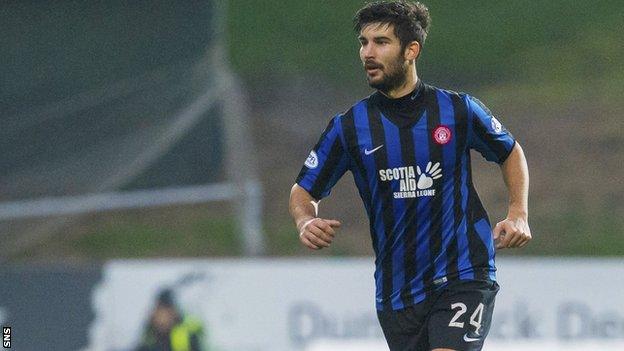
point(151, 135)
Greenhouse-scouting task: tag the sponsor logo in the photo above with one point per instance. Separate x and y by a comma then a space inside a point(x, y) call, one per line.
point(409, 185)
point(312, 160)
point(497, 127)
point(368, 152)
point(442, 135)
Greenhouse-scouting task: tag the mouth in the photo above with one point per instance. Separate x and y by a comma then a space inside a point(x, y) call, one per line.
point(372, 69)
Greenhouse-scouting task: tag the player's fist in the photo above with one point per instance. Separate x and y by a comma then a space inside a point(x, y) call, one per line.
point(317, 233)
point(512, 232)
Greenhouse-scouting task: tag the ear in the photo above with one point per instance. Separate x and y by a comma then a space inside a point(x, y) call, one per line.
point(412, 51)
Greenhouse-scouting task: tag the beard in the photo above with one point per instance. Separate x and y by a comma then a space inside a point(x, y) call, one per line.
point(394, 75)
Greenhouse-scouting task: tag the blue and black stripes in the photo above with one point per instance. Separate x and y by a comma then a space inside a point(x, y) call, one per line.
point(437, 268)
point(410, 160)
point(326, 163)
point(410, 219)
point(490, 138)
point(460, 189)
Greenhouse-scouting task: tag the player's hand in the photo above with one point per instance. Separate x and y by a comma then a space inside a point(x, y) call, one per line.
point(512, 232)
point(317, 233)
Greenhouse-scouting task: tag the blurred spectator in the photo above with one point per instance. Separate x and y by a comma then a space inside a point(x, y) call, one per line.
point(169, 330)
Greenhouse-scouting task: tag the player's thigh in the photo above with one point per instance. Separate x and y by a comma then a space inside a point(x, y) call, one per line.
point(461, 318)
point(405, 329)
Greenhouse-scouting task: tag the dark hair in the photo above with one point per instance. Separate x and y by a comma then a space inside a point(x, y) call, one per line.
point(410, 19)
point(165, 298)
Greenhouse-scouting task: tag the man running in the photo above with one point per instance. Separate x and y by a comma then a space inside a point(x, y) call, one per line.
point(408, 148)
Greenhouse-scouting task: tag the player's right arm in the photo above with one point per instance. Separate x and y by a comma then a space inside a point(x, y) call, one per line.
point(326, 163)
point(315, 233)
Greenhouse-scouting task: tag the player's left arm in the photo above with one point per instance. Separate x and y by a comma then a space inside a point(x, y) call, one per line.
point(514, 230)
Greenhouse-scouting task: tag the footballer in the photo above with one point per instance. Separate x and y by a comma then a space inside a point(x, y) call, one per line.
point(408, 148)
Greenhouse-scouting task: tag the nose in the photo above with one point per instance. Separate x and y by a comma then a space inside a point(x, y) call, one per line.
point(367, 51)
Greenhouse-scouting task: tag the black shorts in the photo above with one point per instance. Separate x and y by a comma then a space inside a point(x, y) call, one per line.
point(457, 316)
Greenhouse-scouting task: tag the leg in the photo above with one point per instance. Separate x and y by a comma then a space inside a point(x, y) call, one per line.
point(405, 330)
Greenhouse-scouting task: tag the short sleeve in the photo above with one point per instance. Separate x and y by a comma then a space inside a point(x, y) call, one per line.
point(326, 163)
point(486, 133)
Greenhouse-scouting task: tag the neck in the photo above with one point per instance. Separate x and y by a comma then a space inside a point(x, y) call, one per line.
point(405, 88)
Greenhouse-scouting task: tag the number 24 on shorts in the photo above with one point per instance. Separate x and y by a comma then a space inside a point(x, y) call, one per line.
point(475, 318)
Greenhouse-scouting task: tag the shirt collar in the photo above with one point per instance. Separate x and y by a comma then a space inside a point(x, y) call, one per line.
point(414, 98)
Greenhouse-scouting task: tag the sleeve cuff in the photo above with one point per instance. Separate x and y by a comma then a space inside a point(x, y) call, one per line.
point(308, 187)
point(504, 158)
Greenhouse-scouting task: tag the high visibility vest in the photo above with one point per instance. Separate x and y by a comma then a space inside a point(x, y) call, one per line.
point(181, 334)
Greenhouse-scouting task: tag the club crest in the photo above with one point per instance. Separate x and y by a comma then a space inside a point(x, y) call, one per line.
point(442, 135)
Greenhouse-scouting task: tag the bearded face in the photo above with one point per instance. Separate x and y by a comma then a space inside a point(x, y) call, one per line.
point(388, 76)
point(382, 56)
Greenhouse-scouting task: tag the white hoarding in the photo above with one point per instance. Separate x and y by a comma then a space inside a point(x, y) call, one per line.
point(294, 304)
